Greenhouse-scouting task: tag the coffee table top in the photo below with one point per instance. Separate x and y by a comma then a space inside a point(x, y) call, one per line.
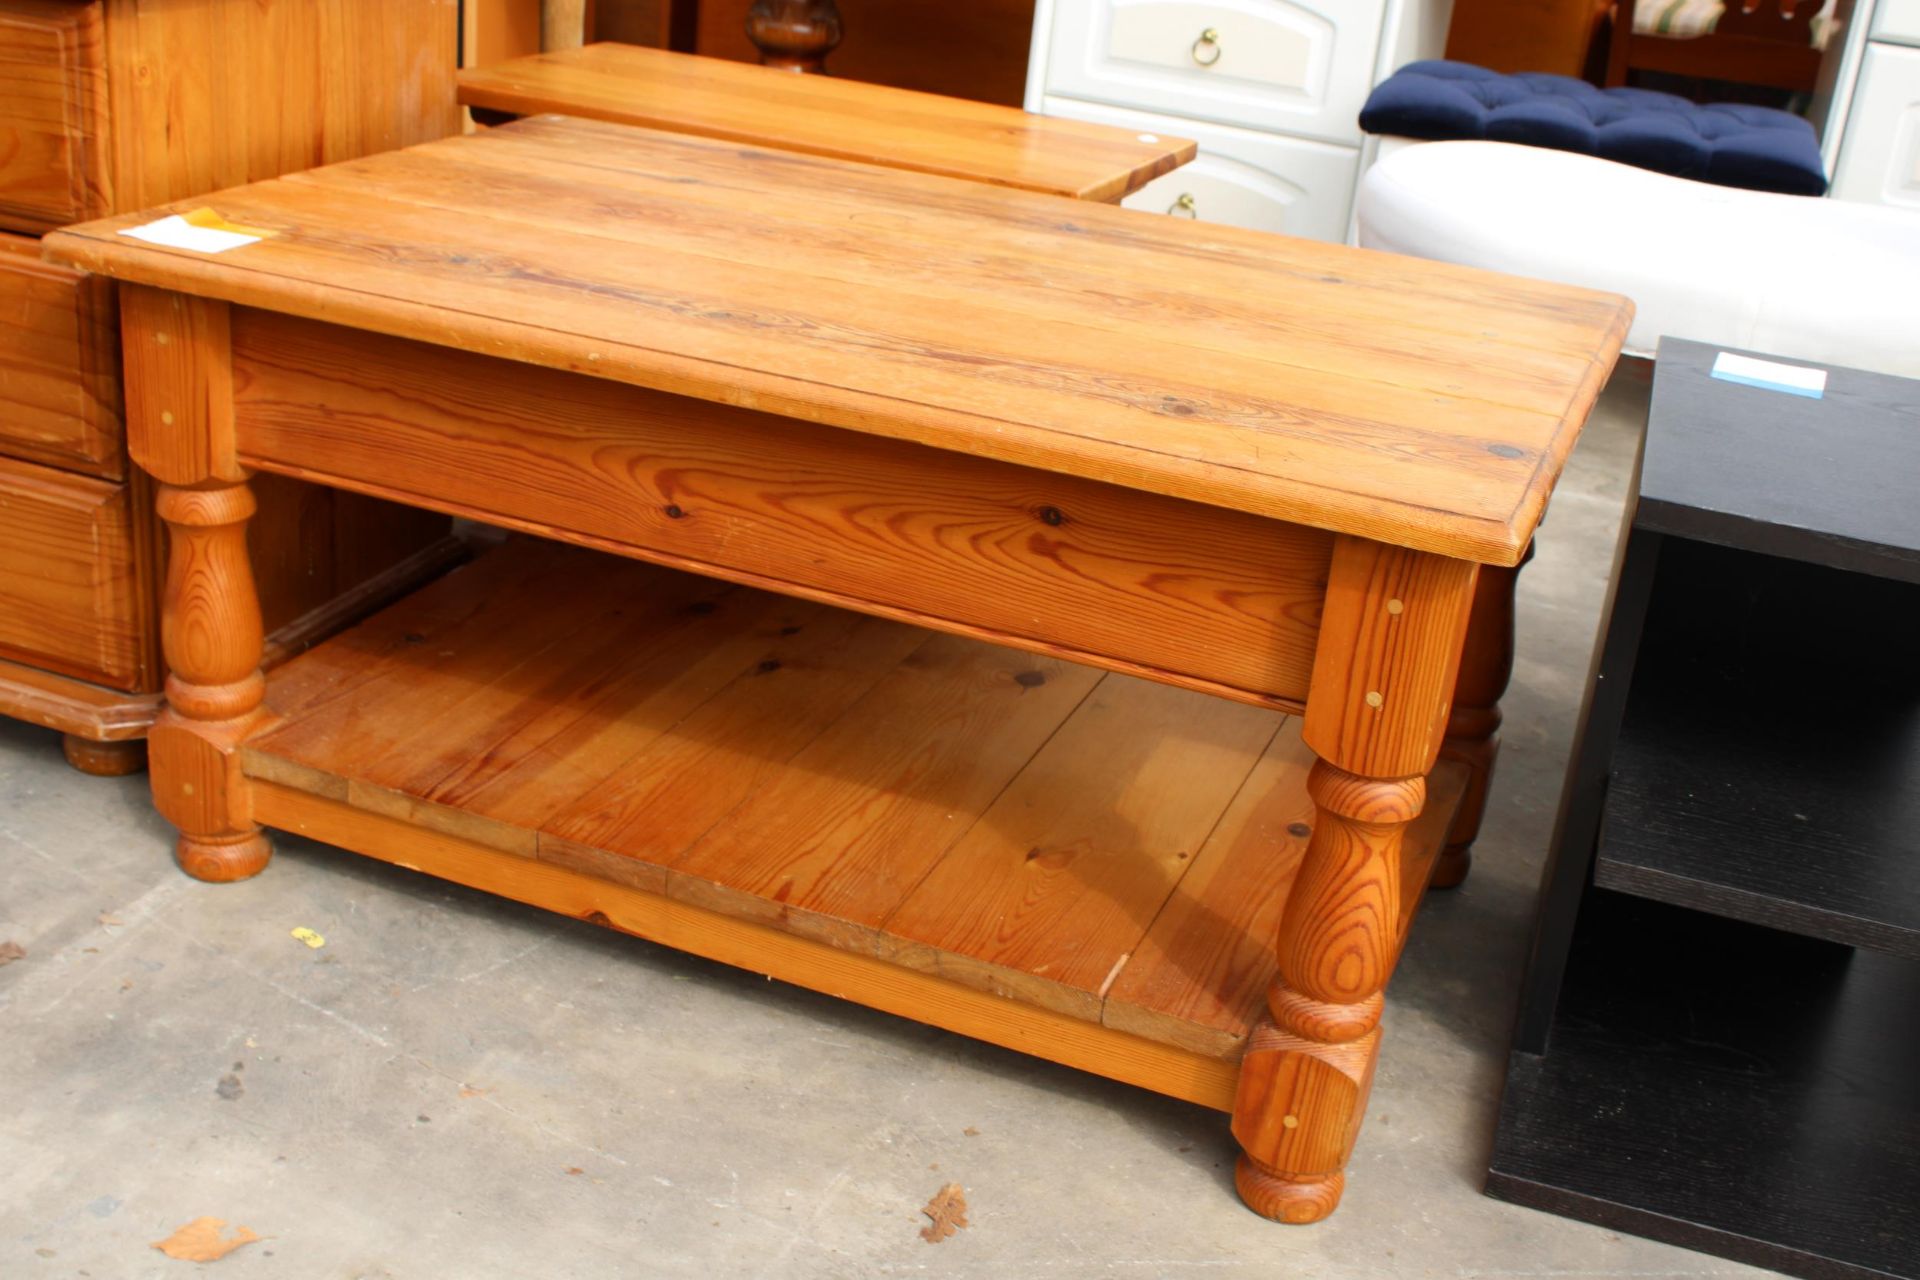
point(872, 123)
point(1411, 402)
point(1830, 481)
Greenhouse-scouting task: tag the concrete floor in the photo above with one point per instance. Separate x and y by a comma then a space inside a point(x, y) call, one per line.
point(455, 1086)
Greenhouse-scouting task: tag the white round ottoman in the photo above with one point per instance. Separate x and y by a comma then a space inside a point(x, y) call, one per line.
point(1812, 279)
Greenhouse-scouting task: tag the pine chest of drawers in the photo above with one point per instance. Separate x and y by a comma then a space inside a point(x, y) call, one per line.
point(120, 104)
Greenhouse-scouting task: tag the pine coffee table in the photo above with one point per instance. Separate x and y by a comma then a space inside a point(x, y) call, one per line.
point(1027, 616)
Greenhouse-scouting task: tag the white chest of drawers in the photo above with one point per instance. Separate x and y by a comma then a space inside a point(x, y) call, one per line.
point(1872, 138)
point(1270, 89)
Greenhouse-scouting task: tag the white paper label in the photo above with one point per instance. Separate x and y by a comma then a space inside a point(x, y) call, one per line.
point(1771, 375)
point(176, 232)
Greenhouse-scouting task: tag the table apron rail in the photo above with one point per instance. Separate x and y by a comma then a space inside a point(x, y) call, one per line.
point(1194, 595)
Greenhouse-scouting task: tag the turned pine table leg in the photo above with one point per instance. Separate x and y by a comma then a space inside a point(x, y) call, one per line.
point(1383, 680)
point(794, 35)
point(1473, 730)
point(180, 429)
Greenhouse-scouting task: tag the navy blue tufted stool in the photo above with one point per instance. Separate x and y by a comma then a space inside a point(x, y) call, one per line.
point(1732, 145)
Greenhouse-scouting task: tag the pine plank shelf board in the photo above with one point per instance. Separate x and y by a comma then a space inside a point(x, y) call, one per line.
point(822, 115)
point(1801, 813)
point(1760, 1101)
point(1414, 403)
point(996, 842)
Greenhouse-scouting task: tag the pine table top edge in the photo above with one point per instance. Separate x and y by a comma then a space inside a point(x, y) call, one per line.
point(822, 115)
point(1347, 449)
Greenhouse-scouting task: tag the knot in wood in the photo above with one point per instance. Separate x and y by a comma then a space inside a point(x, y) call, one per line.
point(1383, 801)
point(1328, 1023)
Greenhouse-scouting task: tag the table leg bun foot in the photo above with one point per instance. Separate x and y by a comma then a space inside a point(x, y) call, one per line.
point(220, 860)
point(1294, 1200)
point(105, 759)
point(1451, 867)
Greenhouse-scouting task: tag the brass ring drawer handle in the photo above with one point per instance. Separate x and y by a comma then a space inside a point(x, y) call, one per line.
point(1184, 207)
point(1206, 50)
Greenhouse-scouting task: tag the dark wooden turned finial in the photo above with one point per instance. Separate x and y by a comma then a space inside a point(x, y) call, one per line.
point(794, 35)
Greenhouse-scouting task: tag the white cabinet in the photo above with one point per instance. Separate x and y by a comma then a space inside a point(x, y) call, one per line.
point(1869, 106)
point(1302, 66)
point(1270, 89)
point(1265, 181)
point(1880, 157)
point(1897, 21)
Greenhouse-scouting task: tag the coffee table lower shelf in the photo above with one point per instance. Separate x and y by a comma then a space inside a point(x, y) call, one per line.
point(1077, 864)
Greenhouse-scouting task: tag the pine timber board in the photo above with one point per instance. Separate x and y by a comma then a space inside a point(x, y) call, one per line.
point(1066, 845)
point(827, 115)
point(1090, 571)
point(79, 707)
point(1416, 403)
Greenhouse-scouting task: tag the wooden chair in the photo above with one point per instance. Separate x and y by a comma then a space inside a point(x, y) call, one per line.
point(1758, 42)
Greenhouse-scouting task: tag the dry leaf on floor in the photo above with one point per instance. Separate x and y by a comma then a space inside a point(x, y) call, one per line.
point(971, 1132)
point(309, 937)
point(11, 951)
point(948, 1209)
point(200, 1241)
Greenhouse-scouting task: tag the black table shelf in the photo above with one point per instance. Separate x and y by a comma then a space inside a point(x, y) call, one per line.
point(1800, 809)
point(1760, 1101)
point(1718, 1042)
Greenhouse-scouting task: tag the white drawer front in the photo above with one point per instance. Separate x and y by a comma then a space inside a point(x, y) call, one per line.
point(1897, 20)
point(1295, 66)
point(1880, 159)
point(1242, 179)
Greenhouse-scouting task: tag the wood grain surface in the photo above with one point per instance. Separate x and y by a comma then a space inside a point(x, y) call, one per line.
point(1210, 954)
point(1418, 403)
point(72, 706)
point(59, 364)
point(53, 114)
point(69, 599)
point(986, 819)
point(1032, 558)
point(1388, 658)
point(801, 961)
point(179, 386)
point(829, 116)
point(215, 93)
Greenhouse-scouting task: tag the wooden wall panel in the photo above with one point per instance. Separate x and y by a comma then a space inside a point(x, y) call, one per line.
point(218, 93)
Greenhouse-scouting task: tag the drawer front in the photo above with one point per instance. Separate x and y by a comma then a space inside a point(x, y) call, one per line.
point(59, 363)
point(1897, 21)
point(1243, 179)
point(1880, 158)
point(69, 586)
point(53, 95)
point(1302, 67)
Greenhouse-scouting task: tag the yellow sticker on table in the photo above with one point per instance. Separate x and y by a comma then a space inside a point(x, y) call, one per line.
point(202, 230)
